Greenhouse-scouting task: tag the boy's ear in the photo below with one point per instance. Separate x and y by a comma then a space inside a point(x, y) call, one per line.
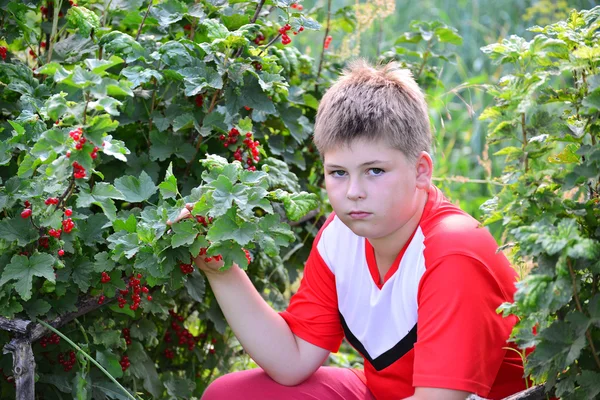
point(424, 169)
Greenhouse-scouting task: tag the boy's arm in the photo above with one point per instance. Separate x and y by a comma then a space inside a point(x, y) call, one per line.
point(263, 333)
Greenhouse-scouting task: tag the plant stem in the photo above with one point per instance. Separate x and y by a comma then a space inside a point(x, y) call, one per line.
point(57, 5)
point(323, 48)
point(524, 133)
point(143, 20)
point(588, 334)
point(425, 57)
point(269, 44)
point(66, 339)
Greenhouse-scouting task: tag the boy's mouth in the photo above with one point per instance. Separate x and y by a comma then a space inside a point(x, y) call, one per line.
point(358, 214)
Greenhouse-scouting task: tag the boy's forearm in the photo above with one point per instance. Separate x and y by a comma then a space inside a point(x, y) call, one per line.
point(263, 333)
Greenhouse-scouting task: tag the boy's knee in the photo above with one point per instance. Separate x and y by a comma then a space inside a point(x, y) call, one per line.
point(218, 388)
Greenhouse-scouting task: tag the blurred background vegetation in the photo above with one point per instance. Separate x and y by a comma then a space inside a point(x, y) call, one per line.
point(464, 165)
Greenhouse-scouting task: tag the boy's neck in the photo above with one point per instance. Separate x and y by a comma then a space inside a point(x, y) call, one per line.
point(387, 248)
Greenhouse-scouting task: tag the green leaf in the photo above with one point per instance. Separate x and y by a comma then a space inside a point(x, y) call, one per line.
point(123, 243)
point(163, 146)
point(98, 66)
point(83, 19)
point(56, 106)
point(196, 286)
point(143, 368)
point(98, 126)
point(18, 229)
point(37, 307)
point(121, 44)
point(111, 339)
point(168, 12)
point(143, 329)
point(22, 270)
point(225, 194)
point(138, 75)
point(226, 228)
point(110, 362)
point(168, 187)
point(296, 205)
point(185, 233)
point(136, 190)
point(91, 229)
point(231, 251)
point(82, 274)
point(590, 384)
point(273, 235)
point(110, 390)
point(82, 384)
point(214, 29)
point(147, 260)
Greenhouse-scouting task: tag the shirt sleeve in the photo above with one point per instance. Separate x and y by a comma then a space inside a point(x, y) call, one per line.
point(313, 311)
point(461, 340)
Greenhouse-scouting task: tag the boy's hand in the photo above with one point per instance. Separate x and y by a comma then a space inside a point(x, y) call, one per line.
point(210, 267)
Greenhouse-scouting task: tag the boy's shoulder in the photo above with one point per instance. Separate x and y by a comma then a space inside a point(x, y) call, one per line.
point(449, 230)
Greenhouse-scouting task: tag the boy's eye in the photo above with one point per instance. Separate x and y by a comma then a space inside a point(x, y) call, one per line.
point(338, 172)
point(376, 171)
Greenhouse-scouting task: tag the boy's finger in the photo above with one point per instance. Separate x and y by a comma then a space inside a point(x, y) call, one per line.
point(189, 206)
point(185, 213)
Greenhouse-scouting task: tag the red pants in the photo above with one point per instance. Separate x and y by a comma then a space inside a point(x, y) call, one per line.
point(327, 383)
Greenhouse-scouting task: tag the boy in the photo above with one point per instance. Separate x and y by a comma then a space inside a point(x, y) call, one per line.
point(410, 280)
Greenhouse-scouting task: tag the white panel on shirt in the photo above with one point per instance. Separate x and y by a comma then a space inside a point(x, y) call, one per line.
point(378, 318)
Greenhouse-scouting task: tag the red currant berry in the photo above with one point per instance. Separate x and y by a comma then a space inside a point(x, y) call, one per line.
point(149, 298)
point(26, 213)
point(68, 212)
point(61, 253)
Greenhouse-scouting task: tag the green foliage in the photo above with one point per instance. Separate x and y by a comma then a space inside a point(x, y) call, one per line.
point(118, 121)
point(546, 117)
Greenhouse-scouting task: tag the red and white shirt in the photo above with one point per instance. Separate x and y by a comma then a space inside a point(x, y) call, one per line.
point(432, 323)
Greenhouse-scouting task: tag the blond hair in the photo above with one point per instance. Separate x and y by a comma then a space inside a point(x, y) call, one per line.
point(374, 103)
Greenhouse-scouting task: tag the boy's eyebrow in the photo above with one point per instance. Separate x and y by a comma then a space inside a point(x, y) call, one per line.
point(361, 165)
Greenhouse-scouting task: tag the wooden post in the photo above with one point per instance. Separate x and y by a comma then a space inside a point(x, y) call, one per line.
point(23, 367)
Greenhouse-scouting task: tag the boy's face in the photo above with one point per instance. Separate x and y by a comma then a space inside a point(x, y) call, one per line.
point(373, 188)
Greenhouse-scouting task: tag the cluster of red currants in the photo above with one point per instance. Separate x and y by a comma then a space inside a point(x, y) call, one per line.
point(248, 257)
point(297, 6)
point(327, 42)
point(186, 269)
point(259, 39)
point(124, 363)
point(52, 339)
point(136, 288)
point(199, 100)
point(105, 278)
point(78, 170)
point(184, 337)
point(285, 39)
point(126, 336)
point(3, 51)
point(252, 147)
point(203, 220)
point(68, 225)
point(67, 360)
point(51, 201)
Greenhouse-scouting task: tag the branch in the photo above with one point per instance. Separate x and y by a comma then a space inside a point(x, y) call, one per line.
point(323, 48)
point(425, 57)
point(14, 325)
point(57, 4)
point(143, 20)
point(253, 20)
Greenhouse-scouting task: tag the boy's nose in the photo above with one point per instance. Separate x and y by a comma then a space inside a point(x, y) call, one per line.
point(355, 190)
